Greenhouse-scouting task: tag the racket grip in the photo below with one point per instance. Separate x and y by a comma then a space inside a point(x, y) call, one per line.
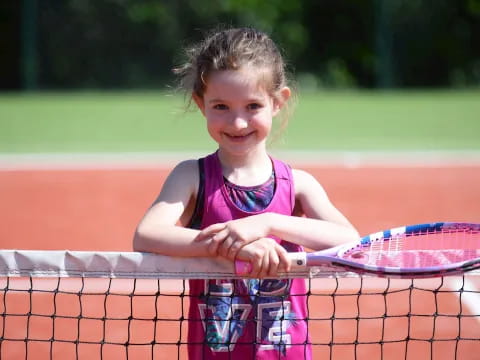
point(297, 259)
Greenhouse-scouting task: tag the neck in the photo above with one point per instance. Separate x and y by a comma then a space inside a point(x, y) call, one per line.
point(252, 168)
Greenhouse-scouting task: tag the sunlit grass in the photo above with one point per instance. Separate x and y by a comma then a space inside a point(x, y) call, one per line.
point(155, 121)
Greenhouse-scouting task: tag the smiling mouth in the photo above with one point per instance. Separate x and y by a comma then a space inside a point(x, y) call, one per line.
point(238, 137)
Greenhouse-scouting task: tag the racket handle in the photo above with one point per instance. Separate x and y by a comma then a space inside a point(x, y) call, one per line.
point(297, 259)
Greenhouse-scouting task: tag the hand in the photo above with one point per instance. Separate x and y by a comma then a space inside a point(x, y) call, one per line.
point(266, 258)
point(228, 238)
point(206, 236)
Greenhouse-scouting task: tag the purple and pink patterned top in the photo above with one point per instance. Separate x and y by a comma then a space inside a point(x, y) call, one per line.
point(250, 318)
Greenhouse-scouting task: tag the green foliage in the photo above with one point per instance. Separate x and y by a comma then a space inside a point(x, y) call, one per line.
point(343, 44)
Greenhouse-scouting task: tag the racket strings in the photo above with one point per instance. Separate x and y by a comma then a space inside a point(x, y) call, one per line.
point(425, 249)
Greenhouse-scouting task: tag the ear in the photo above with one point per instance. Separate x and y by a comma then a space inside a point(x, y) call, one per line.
point(200, 103)
point(282, 97)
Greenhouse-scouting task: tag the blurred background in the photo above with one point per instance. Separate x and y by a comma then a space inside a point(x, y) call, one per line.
point(95, 75)
point(111, 44)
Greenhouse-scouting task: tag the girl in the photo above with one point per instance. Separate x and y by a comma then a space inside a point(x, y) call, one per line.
point(242, 204)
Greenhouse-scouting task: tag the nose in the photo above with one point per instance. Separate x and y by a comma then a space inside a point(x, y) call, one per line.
point(239, 121)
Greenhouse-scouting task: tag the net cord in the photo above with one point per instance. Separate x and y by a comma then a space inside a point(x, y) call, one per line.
point(98, 264)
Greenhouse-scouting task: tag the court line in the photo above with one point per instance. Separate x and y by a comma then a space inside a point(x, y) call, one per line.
point(471, 300)
point(159, 160)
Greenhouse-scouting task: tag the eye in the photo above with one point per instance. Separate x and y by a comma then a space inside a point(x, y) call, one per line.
point(254, 106)
point(220, 107)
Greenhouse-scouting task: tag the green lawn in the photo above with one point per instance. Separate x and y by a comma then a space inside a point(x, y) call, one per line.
point(155, 121)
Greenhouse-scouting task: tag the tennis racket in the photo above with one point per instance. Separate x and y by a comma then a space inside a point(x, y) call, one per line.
point(424, 250)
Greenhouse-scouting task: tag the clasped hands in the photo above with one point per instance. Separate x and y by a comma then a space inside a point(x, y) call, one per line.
point(246, 239)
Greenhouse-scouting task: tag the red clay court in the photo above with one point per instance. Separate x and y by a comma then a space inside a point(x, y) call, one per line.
point(96, 209)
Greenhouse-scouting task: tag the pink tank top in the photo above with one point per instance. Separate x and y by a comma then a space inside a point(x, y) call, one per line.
point(251, 318)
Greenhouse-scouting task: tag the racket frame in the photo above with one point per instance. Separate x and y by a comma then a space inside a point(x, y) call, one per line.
point(333, 256)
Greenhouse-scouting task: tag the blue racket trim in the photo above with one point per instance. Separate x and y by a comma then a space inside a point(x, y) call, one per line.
point(418, 229)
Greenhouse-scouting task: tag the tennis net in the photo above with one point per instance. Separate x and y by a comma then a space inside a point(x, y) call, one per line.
point(119, 305)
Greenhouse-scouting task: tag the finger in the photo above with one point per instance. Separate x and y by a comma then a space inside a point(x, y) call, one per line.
point(265, 266)
point(256, 266)
point(216, 241)
point(225, 245)
point(234, 249)
point(284, 259)
point(209, 231)
point(212, 248)
point(221, 234)
point(274, 262)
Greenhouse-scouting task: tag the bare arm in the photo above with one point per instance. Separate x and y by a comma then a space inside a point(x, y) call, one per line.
point(159, 230)
point(322, 226)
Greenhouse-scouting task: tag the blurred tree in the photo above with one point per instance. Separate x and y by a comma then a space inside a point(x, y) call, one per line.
point(365, 43)
point(434, 42)
point(384, 60)
point(28, 41)
point(10, 45)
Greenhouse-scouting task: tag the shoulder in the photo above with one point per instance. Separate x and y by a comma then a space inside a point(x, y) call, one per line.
point(303, 178)
point(184, 175)
point(186, 167)
point(304, 181)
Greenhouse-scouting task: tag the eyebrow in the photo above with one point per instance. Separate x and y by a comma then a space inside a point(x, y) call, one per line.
point(217, 100)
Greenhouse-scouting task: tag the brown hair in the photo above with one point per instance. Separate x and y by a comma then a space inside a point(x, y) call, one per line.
point(232, 49)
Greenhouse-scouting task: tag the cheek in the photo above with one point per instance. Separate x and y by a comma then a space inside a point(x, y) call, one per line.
point(213, 126)
point(213, 121)
point(263, 122)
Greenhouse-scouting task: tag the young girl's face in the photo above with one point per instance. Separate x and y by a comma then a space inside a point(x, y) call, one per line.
point(238, 110)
